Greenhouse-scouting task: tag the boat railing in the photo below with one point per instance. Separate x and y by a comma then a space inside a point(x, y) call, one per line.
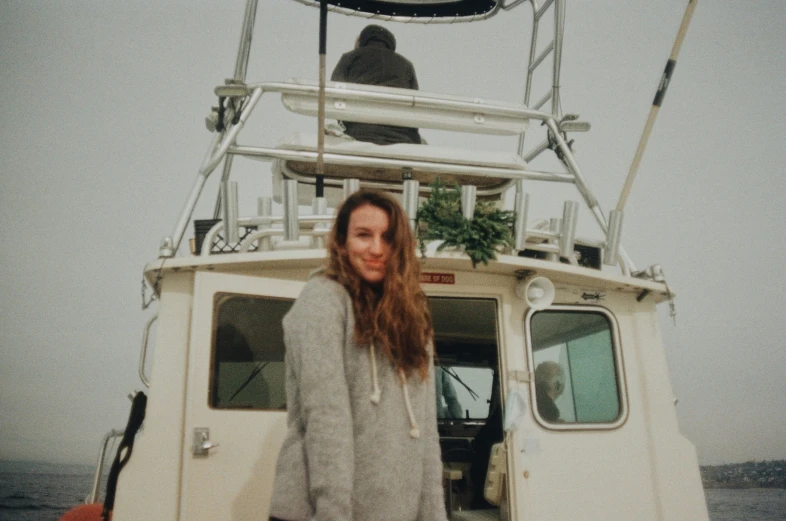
point(401, 107)
point(386, 106)
point(94, 496)
point(267, 232)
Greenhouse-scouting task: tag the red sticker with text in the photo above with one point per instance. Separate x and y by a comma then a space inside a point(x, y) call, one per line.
point(437, 278)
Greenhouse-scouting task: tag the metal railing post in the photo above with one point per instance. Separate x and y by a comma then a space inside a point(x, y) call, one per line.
point(469, 194)
point(291, 226)
point(567, 238)
point(521, 208)
point(410, 200)
point(265, 209)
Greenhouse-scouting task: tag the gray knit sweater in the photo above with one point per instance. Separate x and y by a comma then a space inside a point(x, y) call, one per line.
point(344, 457)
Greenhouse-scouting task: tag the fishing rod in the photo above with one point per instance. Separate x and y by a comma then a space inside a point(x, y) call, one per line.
point(320, 180)
point(659, 95)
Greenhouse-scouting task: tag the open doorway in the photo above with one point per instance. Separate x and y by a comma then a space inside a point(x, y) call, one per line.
point(469, 406)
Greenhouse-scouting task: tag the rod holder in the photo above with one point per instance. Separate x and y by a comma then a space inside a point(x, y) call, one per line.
point(167, 248)
point(521, 208)
point(291, 227)
point(611, 253)
point(265, 209)
point(469, 194)
point(350, 187)
point(229, 198)
point(409, 200)
point(318, 207)
point(555, 225)
point(567, 238)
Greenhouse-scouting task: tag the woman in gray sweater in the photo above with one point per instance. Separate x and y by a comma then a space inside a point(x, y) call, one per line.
point(362, 440)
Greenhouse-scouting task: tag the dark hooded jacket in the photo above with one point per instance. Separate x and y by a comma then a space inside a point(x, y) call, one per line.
point(375, 62)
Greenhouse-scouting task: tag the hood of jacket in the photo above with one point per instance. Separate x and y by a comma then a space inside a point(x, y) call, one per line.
point(376, 33)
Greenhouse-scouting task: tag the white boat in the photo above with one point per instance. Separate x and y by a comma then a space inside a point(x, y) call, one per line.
point(215, 413)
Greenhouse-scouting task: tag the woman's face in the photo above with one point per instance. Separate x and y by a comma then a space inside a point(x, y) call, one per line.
point(367, 248)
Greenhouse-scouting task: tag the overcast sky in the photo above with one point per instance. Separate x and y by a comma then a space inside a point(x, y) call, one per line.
point(102, 133)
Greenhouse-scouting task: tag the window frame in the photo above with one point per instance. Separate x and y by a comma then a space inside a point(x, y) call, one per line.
point(220, 297)
point(618, 367)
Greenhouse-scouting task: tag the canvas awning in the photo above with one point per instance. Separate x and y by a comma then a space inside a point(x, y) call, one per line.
point(415, 10)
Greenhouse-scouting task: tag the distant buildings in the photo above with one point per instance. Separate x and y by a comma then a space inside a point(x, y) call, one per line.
point(751, 474)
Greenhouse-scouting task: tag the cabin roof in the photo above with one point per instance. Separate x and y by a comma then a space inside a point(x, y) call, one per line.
point(565, 275)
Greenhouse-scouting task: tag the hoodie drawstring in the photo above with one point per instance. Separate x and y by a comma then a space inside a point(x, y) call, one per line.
point(414, 431)
point(376, 393)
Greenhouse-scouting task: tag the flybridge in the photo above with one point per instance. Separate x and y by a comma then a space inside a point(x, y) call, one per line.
point(402, 168)
point(405, 168)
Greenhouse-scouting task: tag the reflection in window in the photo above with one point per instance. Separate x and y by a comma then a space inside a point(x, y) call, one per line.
point(463, 392)
point(575, 372)
point(248, 352)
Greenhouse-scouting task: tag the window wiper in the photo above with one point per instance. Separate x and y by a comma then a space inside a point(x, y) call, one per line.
point(453, 374)
point(251, 376)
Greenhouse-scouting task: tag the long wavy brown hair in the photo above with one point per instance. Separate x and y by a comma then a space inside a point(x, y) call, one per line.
point(393, 314)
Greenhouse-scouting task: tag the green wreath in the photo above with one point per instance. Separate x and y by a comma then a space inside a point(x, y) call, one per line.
point(440, 218)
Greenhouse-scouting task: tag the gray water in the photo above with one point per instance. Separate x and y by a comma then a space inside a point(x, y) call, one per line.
point(45, 491)
point(41, 491)
point(746, 504)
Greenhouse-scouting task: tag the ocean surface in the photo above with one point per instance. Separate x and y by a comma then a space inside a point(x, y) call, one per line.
point(45, 491)
point(41, 491)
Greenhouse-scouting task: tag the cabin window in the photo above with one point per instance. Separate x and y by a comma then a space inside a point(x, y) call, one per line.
point(576, 372)
point(463, 393)
point(248, 352)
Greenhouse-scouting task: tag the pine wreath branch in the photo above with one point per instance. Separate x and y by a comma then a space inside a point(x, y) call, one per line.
point(440, 218)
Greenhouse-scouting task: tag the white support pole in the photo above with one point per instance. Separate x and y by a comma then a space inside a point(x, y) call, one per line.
point(469, 194)
point(291, 226)
point(410, 200)
point(567, 238)
point(265, 209)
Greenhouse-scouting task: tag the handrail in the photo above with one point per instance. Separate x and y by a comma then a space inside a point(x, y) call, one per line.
point(215, 154)
point(557, 241)
point(426, 166)
point(414, 99)
point(93, 496)
point(143, 354)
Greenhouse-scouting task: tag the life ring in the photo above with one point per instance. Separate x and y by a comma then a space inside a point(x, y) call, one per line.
point(89, 512)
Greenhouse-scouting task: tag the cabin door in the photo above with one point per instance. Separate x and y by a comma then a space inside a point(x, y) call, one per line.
point(582, 452)
point(235, 407)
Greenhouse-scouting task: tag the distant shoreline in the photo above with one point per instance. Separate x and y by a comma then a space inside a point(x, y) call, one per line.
point(751, 474)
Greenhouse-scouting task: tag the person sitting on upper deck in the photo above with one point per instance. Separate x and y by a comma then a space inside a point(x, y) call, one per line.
point(374, 61)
